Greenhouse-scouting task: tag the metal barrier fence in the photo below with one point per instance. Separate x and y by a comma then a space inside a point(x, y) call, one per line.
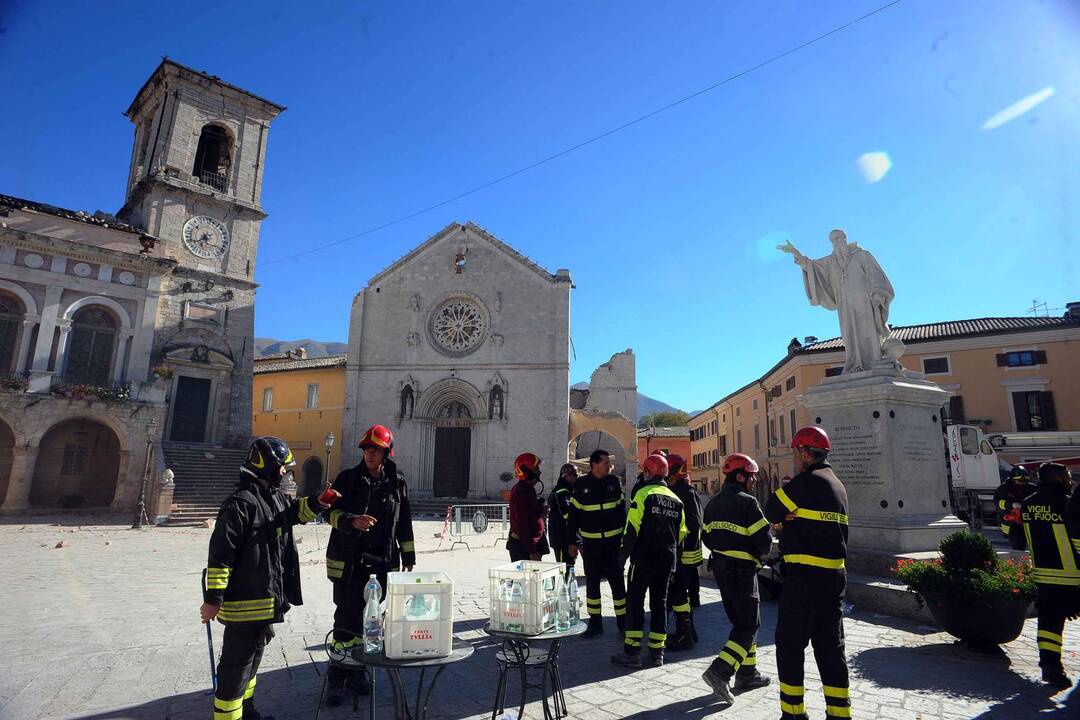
point(465, 522)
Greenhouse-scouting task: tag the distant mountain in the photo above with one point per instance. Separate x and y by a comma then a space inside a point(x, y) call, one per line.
point(315, 349)
point(645, 404)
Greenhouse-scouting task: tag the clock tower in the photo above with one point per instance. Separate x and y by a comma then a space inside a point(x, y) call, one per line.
point(195, 183)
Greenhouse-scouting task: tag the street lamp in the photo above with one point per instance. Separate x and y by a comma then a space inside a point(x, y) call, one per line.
point(329, 447)
point(140, 515)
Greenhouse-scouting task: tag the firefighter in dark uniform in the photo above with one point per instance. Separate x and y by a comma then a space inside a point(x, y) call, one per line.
point(372, 535)
point(1008, 497)
point(598, 518)
point(812, 509)
point(527, 540)
point(1052, 526)
point(253, 571)
point(655, 530)
point(559, 509)
point(640, 480)
point(737, 533)
point(678, 479)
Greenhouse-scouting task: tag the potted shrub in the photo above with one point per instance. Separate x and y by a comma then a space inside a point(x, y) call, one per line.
point(16, 382)
point(507, 478)
point(162, 372)
point(972, 594)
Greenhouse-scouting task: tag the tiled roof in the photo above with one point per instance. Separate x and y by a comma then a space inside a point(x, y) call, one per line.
point(99, 218)
point(954, 329)
point(278, 364)
point(664, 432)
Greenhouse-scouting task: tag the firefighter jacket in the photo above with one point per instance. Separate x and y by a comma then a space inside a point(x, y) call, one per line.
point(818, 533)
point(1052, 526)
point(1007, 500)
point(655, 528)
point(389, 542)
point(526, 517)
point(558, 525)
point(599, 509)
point(735, 527)
point(691, 549)
point(253, 569)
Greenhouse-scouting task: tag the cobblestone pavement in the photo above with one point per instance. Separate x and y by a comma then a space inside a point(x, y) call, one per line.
point(108, 628)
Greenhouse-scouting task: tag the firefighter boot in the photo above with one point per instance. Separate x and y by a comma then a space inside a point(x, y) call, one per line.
point(718, 677)
point(596, 626)
point(749, 679)
point(683, 638)
point(625, 659)
point(1056, 677)
point(250, 713)
point(655, 658)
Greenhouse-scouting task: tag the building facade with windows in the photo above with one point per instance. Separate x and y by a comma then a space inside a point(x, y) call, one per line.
point(669, 439)
point(302, 400)
point(110, 322)
point(1003, 374)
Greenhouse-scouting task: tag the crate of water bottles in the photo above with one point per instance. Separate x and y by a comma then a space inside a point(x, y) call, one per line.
point(419, 615)
point(524, 596)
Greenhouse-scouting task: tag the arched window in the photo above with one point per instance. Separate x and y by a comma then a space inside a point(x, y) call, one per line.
point(11, 315)
point(454, 409)
point(495, 403)
point(406, 402)
point(213, 158)
point(91, 346)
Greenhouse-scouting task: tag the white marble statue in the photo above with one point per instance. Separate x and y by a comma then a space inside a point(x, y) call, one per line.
point(851, 282)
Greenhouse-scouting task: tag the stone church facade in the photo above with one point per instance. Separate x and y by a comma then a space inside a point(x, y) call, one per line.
point(124, 334)
point(461, 348)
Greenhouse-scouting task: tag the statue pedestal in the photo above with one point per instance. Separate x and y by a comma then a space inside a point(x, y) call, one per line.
point(885, 428)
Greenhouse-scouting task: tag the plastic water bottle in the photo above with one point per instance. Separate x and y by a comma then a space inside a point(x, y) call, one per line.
point(517, 592)
point(562, 609)
point(373, 630)
point(575, 600)
point(372, 584)
point(417, 609)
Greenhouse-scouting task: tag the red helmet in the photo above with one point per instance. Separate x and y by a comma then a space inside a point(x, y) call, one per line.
point(526, 464)
point(738, 461)
point(811, 437)
point(378, 436)
point(659, 452)
point(655, 465)
point(677, 464)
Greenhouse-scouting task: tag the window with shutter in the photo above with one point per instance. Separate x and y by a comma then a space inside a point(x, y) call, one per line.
point(91, 346)
point(936, 366)
point(1049, 413)
point(956, 410)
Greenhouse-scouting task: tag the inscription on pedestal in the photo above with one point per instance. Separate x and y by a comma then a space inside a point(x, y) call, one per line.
point(856, 456)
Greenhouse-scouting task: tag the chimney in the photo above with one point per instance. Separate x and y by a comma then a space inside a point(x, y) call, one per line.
point(301, 353)
point(1072, 310)
point(793, 345)
point(810, 339)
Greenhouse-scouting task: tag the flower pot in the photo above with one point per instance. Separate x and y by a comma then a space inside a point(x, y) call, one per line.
point(980, 626)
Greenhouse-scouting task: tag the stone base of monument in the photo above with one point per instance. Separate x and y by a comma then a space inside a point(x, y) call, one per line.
point(889, 451)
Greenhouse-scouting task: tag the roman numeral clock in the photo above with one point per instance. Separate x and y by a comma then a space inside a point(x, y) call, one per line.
point(206, 237)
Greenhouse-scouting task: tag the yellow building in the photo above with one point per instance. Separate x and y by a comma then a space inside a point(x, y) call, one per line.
point(1003, 374)
point(302, 400)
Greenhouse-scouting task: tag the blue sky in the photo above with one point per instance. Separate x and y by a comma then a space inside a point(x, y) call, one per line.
point(668, 226)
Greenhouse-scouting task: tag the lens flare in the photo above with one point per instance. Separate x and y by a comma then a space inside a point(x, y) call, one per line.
point(874, 165)
point(1018, 108)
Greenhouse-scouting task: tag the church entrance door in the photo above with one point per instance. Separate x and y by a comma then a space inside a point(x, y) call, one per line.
point(451, 473)
point(190, 406)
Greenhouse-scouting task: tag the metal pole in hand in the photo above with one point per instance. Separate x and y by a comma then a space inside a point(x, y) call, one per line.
point(210, 641)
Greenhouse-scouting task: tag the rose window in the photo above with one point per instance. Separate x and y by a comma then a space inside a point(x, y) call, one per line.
point(458, 326)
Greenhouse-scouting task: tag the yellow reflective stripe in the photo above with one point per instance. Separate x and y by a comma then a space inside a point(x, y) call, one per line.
point(236, 714)
point(1076, 545)
point(724, 525)
point(793, 690)
point(782, 496)
point(738, 555)
point(633, 633)
point(1001, 505)
point(226, 705)
point(600, 535)
point(217, 578)
point(692, 557)
point(595, 508)
point(737, 648)
point(836, 692)
point(211, 571)
point(305, 514)
point(1068, 560)
point(684, 608)
point(1047, 635)
point(246, 616)
point(407, 546)
point(1055, 573)
point(620, 611)
point(1052, 647)
point(757, 526)
point(829, 563)
point(750, 661)
point(632, 643)
point(248, 604)
point(250, 692)
point(618, 603)
point(335, 516)
point(821, 516)
point(590, 601)
point(837, 711)
point(797, 709)
point(729, 659)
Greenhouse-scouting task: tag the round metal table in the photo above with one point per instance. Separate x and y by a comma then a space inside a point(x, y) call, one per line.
point(517, 652)
point(357, 659)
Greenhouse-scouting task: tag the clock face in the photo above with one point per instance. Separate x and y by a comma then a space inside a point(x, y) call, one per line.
point(206, 237)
